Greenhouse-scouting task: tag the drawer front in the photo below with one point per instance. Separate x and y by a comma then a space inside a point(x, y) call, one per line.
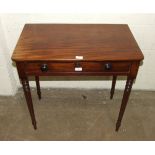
point(51, 67)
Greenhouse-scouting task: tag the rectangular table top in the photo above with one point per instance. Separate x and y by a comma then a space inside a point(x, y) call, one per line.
point(68, 42)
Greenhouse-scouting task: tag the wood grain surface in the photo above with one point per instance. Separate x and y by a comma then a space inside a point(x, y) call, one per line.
point(59, 42)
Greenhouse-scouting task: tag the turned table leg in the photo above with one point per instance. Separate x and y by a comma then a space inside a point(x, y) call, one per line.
point(124, 101)
point(113, 86)
point(38, 87)
point(27, 93)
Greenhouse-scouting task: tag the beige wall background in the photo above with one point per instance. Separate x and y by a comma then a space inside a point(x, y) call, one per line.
point(141, 25)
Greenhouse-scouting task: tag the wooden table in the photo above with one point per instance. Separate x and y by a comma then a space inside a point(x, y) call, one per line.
point(77, 50)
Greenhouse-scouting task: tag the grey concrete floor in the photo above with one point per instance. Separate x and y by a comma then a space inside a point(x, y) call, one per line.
point(78, 114)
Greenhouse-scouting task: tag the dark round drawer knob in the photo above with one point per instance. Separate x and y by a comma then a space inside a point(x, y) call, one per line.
point(108, 66)
point(44, 68)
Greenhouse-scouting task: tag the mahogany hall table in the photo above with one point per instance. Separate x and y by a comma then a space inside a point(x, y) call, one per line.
point(77, 50)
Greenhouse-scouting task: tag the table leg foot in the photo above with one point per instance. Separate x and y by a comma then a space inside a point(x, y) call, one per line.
point(34, 125)
point(117, 126)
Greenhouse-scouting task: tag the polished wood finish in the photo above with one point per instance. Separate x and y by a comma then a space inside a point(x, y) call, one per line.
point(77, 50)
point(33, 68)
point(95, 42)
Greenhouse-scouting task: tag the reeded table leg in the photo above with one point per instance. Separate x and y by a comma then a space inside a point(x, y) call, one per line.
point(113, 86)
point(38, 87)
point(27, 93)
point(124, 101)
